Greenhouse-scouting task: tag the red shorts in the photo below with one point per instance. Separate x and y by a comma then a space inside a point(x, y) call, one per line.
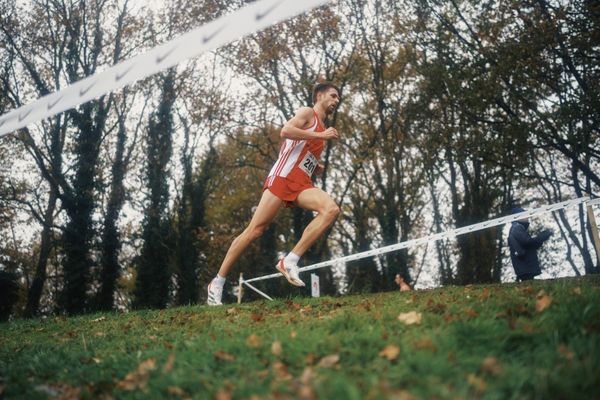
point(286, 189)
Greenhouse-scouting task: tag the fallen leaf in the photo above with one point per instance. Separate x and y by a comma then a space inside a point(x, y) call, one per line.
point(221, 355)
point(410, 318)
point(485, 294)
point(99, 334)
point(543, 302)
point(306, 393)
point(138, 379)
point(305, 310)
point(59, 391)
point(528, 328)
point(402, 395)
point(169, 364)
point(477, 383)
point(391, 352)
point(223, 394)
point(527, 290)
point(308, 375)
point(565, 352)
point(576, 290)
point(293, 334)
point(276, 348)
point(253, 341)
point(328, 361)
point(425, 344)
point(281, 371)
point(257, 317)
point(231, 311)
point(469, 312)
point(491, 366)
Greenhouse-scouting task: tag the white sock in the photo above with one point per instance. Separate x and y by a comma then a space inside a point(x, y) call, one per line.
point(219, 280)
point(292, 258)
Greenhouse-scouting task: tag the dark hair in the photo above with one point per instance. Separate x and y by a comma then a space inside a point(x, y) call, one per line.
point(321, 87)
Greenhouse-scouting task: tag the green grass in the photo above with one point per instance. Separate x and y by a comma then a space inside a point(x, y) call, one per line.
point(481, 341)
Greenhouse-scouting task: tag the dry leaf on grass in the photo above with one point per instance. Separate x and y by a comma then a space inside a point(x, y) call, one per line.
point(576, 290)
point(565, 352)
point(231, 311)
point(281, 371)
point(276, 348)
point(425, 344)
point(177, 391)
point(391, 352)
point(543, 302)
point(253, 341)
point(257, 317)
point(221, 355)
point(477, 383)
point(329, 361)
point(469, 312)
point(223, 394)
point(491, 366)
point(410, 318)
point(138, 379)
point(169, 364)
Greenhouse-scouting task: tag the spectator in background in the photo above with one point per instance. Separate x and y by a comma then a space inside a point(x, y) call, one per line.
point(523, 248)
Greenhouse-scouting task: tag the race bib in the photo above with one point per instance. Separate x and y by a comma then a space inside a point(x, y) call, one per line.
point(308, 164)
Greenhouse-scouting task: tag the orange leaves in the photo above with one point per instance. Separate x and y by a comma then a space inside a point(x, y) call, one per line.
point(469, 312)
point(492, 366)
point(543, 301)
point(169, 364)
point(477, 383)
point(138, 379)
point(223, 356)
point(253, 341)
point(257, 317)
point(410, 318)
point(276, 348)
point(425, 344)
point(391, 352)
point(329, 361)
point(565, 353)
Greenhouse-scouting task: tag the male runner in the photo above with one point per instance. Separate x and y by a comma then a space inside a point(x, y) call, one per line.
point(290, 183)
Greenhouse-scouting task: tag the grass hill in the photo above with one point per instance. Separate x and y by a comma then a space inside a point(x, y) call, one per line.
point(538, 340)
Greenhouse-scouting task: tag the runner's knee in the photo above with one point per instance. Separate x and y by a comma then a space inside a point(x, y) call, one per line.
point(254, 232)
point(331, 211)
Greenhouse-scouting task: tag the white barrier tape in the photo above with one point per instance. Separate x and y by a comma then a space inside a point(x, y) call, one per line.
point(437, 236)
point(256, 290)
point(226, 29)
point(593, 202)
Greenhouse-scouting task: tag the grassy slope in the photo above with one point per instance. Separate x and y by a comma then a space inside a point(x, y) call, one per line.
point(484, 341)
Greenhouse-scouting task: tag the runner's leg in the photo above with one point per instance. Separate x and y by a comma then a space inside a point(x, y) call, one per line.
point(315, 199)
point(267, 209)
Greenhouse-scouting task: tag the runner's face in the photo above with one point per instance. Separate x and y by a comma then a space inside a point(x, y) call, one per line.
point(330, 100)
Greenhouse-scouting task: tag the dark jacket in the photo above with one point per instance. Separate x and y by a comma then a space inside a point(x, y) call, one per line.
point(523, 248)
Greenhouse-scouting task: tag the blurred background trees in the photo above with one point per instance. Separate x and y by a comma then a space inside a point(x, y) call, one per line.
point(452, 113)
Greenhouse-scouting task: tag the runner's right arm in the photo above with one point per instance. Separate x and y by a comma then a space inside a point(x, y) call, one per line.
point(295, 128)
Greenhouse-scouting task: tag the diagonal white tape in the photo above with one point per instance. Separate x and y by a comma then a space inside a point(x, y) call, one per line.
point(593, 202)
point(212, 35)
point(437, 236)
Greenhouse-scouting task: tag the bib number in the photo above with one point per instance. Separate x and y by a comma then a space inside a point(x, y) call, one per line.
point(308, 164)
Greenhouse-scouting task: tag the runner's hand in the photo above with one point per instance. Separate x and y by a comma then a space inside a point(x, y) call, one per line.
point(319, 170)
point(330, 133)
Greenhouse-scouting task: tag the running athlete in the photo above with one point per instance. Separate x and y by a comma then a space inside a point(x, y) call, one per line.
point(290, 183)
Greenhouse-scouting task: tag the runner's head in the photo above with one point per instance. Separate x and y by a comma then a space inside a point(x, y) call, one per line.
point(328, 94)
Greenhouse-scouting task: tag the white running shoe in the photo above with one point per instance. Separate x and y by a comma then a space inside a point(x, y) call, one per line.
point(215, 292)
point(290, 272)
